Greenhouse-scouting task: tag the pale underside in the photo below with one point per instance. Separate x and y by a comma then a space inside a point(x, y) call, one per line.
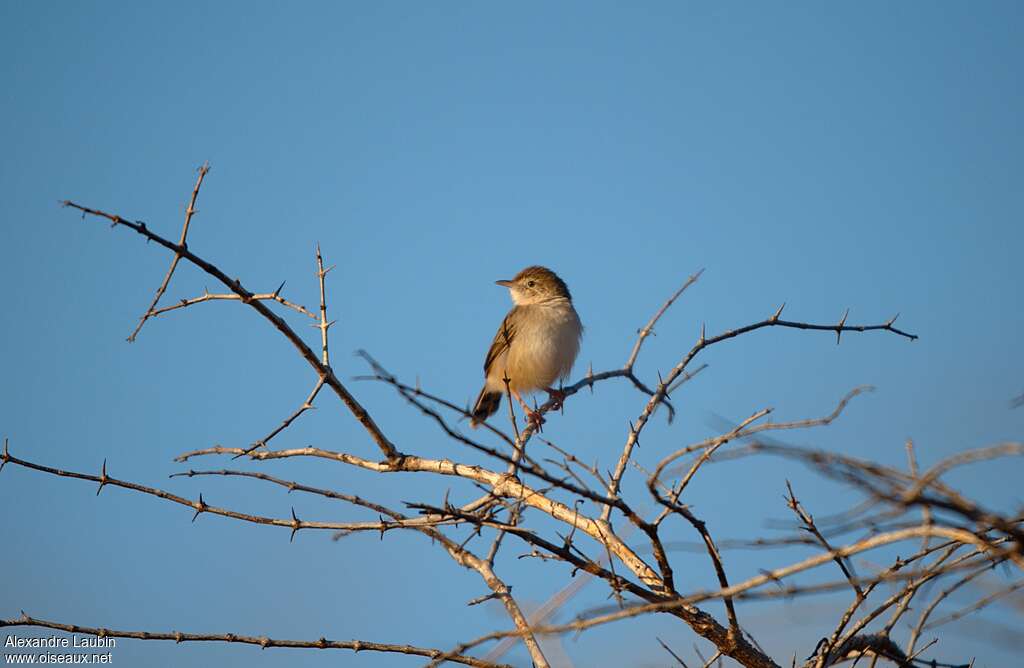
point(535, 346)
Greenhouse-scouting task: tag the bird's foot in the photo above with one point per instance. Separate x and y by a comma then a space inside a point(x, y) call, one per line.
point(557, 396)
point(535, 420)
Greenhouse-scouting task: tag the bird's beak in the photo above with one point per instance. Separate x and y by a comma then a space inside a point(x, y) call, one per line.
point(504, 283)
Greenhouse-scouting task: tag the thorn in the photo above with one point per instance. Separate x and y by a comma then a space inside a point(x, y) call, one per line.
point(296, 525)
point(775, 317)
point(103, 477)
point(590, 377)
point(632, 432)
point(892, 320)
point(664, 387)
point(328, 269)
point(6, 455)
point(279, 288)
point(702, 337)
point(200, 507)
point(486, 597)
point(839, 327)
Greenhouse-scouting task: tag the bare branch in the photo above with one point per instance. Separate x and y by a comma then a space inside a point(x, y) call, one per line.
point(959, 539)
point(648, 329)
point(235, 285)
point(704, 342)
point(262, 641)
point(324, 325)
point(189, 211)
point(199, 506)
point(809, 526)
point(207, 297)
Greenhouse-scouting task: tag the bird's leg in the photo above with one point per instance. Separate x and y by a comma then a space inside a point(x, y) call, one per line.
point(532, 416)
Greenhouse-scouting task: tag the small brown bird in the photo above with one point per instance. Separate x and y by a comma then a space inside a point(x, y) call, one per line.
point(536, 344)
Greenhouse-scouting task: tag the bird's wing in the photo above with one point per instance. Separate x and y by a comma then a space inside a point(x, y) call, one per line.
point(502, 340)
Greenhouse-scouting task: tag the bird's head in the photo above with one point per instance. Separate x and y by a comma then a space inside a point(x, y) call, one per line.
point(535, 285)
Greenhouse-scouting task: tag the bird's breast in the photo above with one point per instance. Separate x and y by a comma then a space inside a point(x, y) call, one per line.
point(546, 345)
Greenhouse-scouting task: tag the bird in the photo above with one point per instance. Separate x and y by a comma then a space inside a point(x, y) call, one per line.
point(535, 345)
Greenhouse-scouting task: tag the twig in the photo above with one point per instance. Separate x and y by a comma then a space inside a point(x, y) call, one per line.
point(648, 329)
point(189, 211)
point(809, 526)
point(669, 650)
point(324, 325)
point(306, 405)
point(208, 296)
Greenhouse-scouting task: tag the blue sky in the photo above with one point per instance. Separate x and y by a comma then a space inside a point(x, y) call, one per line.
point(862, 156)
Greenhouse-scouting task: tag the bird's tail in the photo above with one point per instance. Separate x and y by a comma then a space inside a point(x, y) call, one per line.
point(486, 405)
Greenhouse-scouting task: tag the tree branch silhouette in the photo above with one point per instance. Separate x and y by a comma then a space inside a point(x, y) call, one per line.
point(562, 510)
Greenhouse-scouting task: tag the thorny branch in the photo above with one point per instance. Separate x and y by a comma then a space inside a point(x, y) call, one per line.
point(235, 285)
point(262, 641)
point(189, 212)
point(956, 540)
point(213, 297)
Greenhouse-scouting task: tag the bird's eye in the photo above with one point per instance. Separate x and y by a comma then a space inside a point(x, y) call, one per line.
point(529, 284)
